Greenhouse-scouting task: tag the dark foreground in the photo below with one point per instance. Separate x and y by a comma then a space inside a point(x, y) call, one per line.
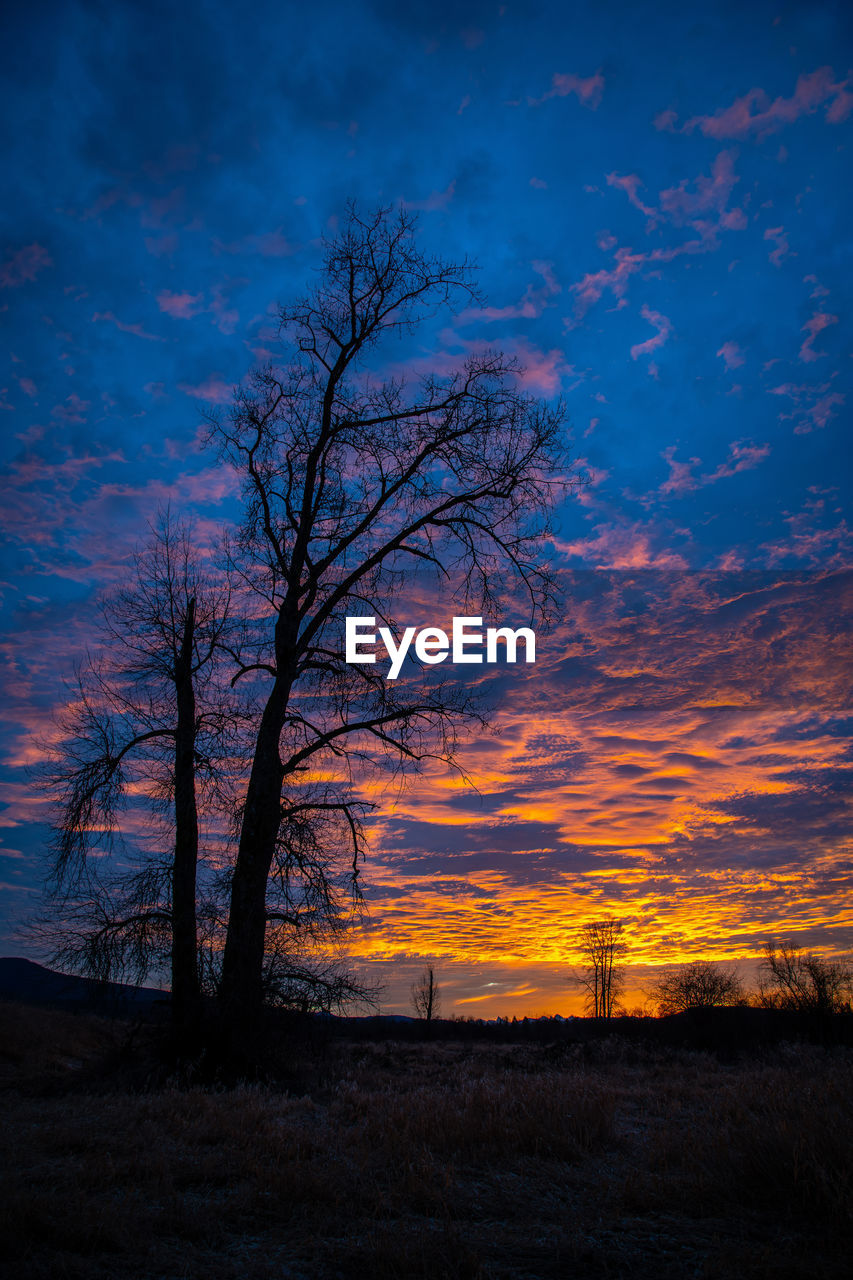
point(423, 1160)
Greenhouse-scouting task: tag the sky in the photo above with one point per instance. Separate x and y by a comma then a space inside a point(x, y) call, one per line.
point(659, 202)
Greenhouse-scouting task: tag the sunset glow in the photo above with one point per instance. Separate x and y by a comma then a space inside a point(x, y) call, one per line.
point(664, 243)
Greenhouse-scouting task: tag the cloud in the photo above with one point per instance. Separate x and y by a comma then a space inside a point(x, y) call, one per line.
point(709, 196)
point(782, 249)
point(742, 456)
point(179, 305)
point(672, 761)
point(542, 372)
point(629, 183)
point(534, 301)
point(700, 204)
point(731, 354)
point(587, 90)
point(615, 279)
point(136, 329)
point(664, 329)
point(212, 389)
point(23, 267)
point(756, 116)
point(814, 405)
point(816, 324)
point(811, 539)
point(621, 546)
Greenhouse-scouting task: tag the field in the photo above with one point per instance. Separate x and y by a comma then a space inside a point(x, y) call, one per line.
point(423, 1160)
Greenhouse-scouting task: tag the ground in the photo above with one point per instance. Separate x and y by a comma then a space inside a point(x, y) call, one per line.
point(422, 1160)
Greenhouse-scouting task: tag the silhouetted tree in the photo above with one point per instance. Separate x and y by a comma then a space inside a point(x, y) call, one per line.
point(602, 947)
point(698, 985)
point(804, 982)
point(426, 995)
point(147, 720)
point(351, 481)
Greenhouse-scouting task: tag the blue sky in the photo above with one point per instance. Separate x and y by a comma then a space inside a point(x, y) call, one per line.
point(658, 197)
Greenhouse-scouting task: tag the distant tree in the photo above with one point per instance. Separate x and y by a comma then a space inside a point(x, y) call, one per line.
point(698, 985)
point(602, 977)
point(426, 995)
point(804, 982)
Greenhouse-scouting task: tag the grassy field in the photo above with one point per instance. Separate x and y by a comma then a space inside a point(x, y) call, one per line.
point(422, 1161)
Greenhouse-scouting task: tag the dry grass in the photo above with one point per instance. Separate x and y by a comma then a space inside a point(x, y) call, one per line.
point(427, 1161)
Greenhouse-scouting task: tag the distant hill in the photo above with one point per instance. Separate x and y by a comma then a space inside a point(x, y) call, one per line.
point(33, 983)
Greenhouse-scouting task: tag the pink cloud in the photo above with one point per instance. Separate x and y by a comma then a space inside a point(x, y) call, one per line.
point(813, 407)
point(664, 329)
point(588, 290)
point(702, 205)
point(24, 266)
point(73, 409)
point(742, 456)
point(629, 183)
point(28, 387)
point(665, 120)
point(532, 304)
point(136, 329)
point(681, 478)
point(541, 372)
point(813, 326)
point(732, 355)
point(810, 539)
point(754, 115)
point(622, 547)
point(180, 305)
point(730, 562)
point(588, 91)
point(212, 389)
point(782, 249)
point(711, 195)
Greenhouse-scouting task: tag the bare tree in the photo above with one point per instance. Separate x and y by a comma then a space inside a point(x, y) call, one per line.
point(352, 481)
point(602, 947)
point(426, 995)
point(698, 985)
point(804, 982)
point(148, 720)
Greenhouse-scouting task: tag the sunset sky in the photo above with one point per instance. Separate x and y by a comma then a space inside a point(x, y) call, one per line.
point(660, 203)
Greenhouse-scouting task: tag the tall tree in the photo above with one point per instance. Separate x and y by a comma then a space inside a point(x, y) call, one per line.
point(351, 481)
point(148, 716)
point(602, 947)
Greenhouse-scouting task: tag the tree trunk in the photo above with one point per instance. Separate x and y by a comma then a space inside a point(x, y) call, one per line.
point(185, 981)
point(243, 959)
